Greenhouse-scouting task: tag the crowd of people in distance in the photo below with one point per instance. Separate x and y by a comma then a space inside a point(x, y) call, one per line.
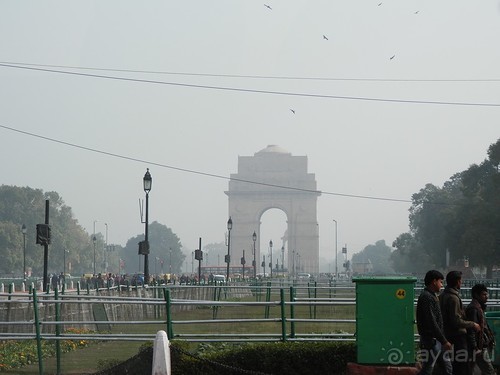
point(453, 338)
point(103, 280)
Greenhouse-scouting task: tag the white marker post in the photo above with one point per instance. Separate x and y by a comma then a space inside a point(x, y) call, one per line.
point(161, 355)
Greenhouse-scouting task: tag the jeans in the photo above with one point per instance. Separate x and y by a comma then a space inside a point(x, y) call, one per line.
point(483, 361)
point(461, 355)
point(430, 354)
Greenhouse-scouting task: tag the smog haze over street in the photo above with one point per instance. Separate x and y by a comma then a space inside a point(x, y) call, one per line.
point(382, 98)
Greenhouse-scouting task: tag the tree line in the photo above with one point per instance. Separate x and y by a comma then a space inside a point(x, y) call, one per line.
point(460, 220)
point(71, 249)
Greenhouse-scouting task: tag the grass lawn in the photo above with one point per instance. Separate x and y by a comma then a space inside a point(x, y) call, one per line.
point(86, 360)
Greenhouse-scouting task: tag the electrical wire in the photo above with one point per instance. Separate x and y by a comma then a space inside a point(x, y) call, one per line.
point(254, 91)
point(318, 192)
point(249, 76)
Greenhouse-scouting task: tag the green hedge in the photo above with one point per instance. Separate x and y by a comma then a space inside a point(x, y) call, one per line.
point(269, 358)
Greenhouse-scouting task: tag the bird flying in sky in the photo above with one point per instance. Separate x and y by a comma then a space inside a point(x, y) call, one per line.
point(268, 6)
point(393, 56)
point(324, 37)
point(293, 111)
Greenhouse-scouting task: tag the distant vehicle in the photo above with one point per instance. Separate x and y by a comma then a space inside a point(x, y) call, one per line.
point(303, 275)
point(220, 278)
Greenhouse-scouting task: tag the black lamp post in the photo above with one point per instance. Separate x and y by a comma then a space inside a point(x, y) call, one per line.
point(106, 251)
point(254, 238)
point(336, 251)
point(147, 181)
point(228, 256)
point(94, 240)
point(64, 261)
point(23, 230)
point(283, 259)
point(170, 269)
point(271, 255)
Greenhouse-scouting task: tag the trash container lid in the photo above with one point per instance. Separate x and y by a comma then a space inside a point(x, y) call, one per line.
point(384, 279)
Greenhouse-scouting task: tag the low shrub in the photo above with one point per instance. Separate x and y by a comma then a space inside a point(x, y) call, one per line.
point(266, 358)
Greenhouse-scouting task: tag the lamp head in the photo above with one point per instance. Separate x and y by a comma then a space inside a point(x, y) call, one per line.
point(271, 243)
point(148, 181)
point(229, 224)
point(254, 236)
point(23, 229)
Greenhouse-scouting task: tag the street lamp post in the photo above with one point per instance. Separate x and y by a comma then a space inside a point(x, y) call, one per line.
point(147, 183)
point(346, 267)
point(243, 261)
point(23, 230)
point(94, 240)
point(170, 269)
point(271, 257)
point(283, 260)
point(254, 238)
point(336, 251)
point(106, 253)
point(64, 261)
point(228, 256)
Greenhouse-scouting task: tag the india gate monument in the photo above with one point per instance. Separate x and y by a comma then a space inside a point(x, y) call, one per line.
point(274, 178)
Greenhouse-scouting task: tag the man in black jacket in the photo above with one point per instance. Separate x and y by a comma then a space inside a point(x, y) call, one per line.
point(482, 342)
point(434, 347)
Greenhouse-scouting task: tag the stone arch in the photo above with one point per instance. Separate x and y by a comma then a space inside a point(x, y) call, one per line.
point(274, 178)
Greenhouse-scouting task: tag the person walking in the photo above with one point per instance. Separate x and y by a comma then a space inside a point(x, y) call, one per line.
point(455, 324)
point(482, 342)
point(434, 347)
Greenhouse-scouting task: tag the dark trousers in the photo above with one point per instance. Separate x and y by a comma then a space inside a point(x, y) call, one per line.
point(460, 355)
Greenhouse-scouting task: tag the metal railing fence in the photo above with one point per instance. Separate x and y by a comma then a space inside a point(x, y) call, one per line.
point(262, 312)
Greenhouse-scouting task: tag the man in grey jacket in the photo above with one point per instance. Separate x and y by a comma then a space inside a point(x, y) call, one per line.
point(455, 325)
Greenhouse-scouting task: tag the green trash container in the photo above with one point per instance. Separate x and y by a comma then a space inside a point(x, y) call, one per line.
point(385, 320)
point(493, 319)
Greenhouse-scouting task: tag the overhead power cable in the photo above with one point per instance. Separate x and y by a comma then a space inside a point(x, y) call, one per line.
point(199, 172)
point(254, 91)
point(252, 76)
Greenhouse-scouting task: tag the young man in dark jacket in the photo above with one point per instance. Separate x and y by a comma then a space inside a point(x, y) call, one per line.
point(455, 325)
point(482, 342)
point(434, 346)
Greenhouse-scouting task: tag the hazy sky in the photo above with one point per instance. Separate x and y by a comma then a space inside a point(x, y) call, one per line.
point(388, 96)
